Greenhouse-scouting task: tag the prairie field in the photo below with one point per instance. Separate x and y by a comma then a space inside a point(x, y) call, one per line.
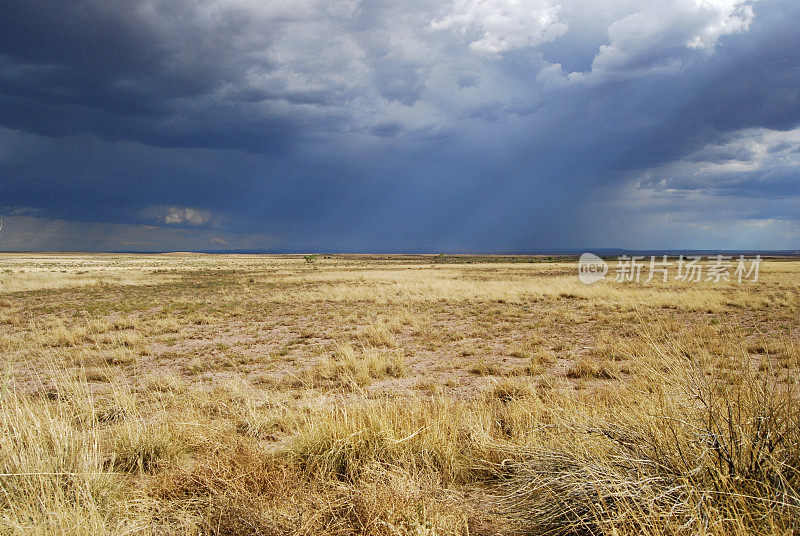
point(393, 395)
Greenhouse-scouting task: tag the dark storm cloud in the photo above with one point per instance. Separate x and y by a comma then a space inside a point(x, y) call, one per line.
point(131, 71)
point(98, 56)
point(399, 126)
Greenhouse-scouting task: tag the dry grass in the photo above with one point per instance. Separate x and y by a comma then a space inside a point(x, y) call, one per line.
point(353, 368)
point(697, 454)
point(246, 395)
point(586, 369)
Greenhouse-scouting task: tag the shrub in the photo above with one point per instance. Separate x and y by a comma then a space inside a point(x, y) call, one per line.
point(696, 453)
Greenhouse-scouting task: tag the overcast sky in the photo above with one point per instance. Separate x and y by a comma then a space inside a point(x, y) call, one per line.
point(403, 125)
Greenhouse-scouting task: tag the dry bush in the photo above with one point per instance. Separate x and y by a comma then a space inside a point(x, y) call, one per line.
point(141, 444)
point(122, 323)
point(696, 453)
point(509, 389)
point(609, 348)
point(96, 374)
point(429, 386)
point(161, 326)
point(62, 335)
point(407, 318)
point(255, 413)
point(379, 335)
point(587, 370)
point(421, 437)
point(54, 472)
point(537, 364)
point(119, 356)
point(67, 454)
point(243, 491)
point(9, 317)
point(485, 368)
point(354, 368)
point(201, 318)
point(124, 339)
point(453, 442)
point(521, 351)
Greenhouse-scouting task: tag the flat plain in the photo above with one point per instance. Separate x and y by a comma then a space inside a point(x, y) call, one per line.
point(259, 395)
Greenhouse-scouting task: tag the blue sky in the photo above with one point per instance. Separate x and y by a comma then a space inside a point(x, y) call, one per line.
point(358, 125)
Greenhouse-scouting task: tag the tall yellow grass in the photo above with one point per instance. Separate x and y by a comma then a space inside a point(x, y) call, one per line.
point(658, 428)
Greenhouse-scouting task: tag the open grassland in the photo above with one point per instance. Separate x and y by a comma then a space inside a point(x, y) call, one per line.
point(264, 395)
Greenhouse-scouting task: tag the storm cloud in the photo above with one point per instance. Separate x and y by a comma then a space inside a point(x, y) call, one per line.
point(356, 125)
